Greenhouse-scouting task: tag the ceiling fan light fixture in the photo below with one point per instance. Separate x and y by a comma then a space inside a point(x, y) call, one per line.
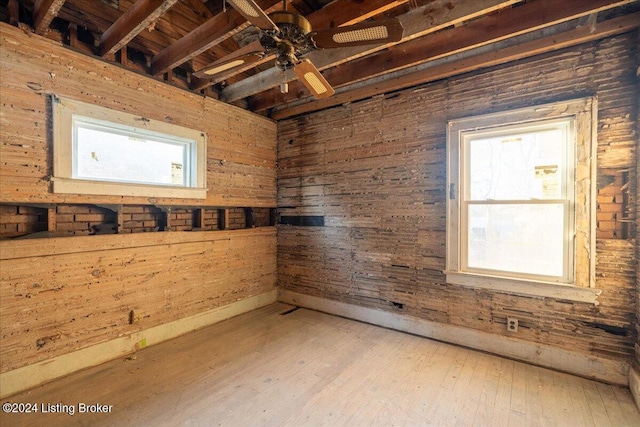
point(373, 33)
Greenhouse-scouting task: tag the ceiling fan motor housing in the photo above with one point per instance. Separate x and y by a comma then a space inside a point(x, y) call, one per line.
point(291, 41)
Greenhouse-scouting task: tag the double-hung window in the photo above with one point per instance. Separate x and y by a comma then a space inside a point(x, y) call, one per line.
point(519, 216)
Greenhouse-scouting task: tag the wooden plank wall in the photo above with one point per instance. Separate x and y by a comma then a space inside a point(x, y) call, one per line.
point(376, 170)
point(59, 295)
point(69, 293)
point(241, 154)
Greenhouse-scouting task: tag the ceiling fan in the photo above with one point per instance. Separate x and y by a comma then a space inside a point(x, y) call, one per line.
point(289, 36)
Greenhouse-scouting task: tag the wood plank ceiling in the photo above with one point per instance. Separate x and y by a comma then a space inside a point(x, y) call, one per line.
point(171, 39)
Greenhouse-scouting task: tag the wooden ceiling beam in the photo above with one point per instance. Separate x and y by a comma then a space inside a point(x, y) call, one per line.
point(488, 56)
point(97, 17)
point(142, 14)
point(204, 37)
point(332, 15)
point(43, 13)
point(433, 16)
point(198, 7)
point(488, 29)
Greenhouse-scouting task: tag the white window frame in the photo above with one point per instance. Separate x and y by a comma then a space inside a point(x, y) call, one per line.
point(579, 285)
point(66, 112)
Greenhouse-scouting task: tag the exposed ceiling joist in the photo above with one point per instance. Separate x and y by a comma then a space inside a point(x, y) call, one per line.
point(98, 16)
point(202, 38)
point(143, 14)
point(197, 44)
point(333, 14)
point(488, 29)
point(486, 56)
point(43, 13)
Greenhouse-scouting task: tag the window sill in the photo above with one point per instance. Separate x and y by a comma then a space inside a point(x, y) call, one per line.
point(524, 287)
point(105, 188)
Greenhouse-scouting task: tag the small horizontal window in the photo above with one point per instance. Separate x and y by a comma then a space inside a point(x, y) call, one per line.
point(101, 151)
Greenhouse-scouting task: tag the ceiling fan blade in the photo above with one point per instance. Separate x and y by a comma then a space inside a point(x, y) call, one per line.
point(227, 63)
point(252, 12)
point(374, 32)
point(310, 76)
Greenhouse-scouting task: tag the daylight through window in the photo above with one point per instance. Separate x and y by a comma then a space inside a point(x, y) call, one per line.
point(518, 200)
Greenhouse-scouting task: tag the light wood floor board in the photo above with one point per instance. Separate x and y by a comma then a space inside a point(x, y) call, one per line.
point(305, 368)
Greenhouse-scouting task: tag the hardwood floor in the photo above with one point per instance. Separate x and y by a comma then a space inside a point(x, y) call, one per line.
point(304, 368)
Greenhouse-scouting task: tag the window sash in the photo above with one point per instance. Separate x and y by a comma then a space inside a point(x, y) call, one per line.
point(188, 149)
point(566, 127)
point(567, 238)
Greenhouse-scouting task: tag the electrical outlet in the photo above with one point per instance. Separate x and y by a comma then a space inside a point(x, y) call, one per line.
point(512, 324)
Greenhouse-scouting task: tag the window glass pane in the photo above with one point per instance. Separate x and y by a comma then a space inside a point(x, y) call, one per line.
point(518, 166)
point(519, 238)
point(105, 155)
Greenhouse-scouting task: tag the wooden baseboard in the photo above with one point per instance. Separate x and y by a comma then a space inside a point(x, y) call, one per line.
point(634, 385)
point(611, 371)
point(21, 379)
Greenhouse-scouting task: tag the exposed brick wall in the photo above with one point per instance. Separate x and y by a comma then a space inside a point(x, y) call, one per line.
point(79, 219)
point(263, 217)
point(16, 221)
point(211, 219)
point(237, 218)
point(140, 219)
point(189, 219)
point(613, 212)
point(181, 220)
